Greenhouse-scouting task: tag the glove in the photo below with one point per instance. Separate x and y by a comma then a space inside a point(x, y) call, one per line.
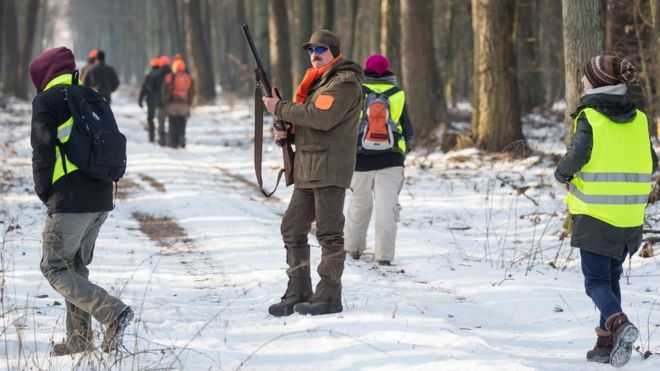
point(140, 103)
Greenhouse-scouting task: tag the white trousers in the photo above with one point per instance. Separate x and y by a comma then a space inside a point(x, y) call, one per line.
point(383, 187)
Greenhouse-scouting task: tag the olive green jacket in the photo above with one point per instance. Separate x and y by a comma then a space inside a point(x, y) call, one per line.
point(325, 132)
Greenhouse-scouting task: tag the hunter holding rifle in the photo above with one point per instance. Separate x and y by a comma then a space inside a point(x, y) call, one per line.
point(325, 112)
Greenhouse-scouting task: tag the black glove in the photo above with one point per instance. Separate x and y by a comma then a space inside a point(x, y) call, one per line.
point(140, 103)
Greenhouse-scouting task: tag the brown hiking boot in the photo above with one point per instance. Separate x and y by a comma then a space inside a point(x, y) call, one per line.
point(115, 332)
point(601, 351)
point(72, 346)
point(624, 334)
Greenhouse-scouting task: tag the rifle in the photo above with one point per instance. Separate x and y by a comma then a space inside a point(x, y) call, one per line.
point(263, 87)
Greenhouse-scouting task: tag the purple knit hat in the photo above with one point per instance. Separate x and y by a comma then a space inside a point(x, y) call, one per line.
point(377, 64)
point(50, 64)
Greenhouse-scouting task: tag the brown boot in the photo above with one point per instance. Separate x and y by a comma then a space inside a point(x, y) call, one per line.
point(601, 351)
point(114, 334)
point(624, 334)
point(73, 345)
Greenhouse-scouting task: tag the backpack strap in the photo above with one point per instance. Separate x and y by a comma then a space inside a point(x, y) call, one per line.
point(391, 91)
point(387, 93)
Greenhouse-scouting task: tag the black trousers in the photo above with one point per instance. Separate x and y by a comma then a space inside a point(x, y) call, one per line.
point(178, 131)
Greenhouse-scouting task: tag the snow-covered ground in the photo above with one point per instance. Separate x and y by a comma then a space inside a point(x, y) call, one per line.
point(481, 279)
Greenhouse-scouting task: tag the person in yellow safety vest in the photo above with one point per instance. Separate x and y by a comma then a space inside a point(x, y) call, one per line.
point(77, 206)
point(607, 172)
point(384, 138)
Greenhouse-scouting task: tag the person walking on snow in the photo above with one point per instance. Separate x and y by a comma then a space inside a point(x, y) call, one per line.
point(90, 63)
point(607, 172)
point(156, 84)
point(146, 92)
point(384, 138)
point(177, 95)
point(325, 112)
point(102, 77)
point(77, 204)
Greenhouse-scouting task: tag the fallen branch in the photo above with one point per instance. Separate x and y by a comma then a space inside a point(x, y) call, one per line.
point(520, 189)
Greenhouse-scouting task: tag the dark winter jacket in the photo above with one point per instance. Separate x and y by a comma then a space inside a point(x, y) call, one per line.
point(102, 78)
point(589, 233)
point(72, 193)
point(379, 161)
point(145, 90)
point(156, 83)
point(325, 133)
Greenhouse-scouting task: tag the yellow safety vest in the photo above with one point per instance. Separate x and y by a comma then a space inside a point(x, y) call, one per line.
point(614, 185)
point(397, 101)
point(63, 132)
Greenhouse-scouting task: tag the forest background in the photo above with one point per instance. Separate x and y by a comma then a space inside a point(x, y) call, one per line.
point(507, 58)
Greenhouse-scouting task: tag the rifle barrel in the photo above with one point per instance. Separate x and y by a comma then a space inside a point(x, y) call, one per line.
point(248, 37)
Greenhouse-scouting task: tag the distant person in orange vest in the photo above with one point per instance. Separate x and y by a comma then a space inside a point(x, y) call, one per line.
point(156, 84)
point(178, 57)
point(176, 95)
point(146, 92)
point(102, 77)
point(90, 62)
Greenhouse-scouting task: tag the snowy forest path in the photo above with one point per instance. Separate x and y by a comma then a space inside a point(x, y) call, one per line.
point(195, 248)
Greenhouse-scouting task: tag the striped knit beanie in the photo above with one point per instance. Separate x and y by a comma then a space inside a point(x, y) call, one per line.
point(609, 70)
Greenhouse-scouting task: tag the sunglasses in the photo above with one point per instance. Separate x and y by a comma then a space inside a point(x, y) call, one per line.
point(317, 50)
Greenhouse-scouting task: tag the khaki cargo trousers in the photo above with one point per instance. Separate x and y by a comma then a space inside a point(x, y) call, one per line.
point(68, 247)
point(377, 189)
point(326, 206)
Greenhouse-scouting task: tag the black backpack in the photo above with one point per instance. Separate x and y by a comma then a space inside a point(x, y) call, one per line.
point(95, 144)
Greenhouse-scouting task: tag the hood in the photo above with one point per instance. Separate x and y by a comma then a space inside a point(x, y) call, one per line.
point(372, 78)
point(612, 100)
point(50, 64)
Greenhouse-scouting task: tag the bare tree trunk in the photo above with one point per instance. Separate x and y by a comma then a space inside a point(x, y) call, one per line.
point(354, 20)
point(497, 123)
point(327, 12)
point(2, 51)
point(551, 51)
point(11, 51)
point(583, 39)
point(447, 51)
point(304, 11)
point(390, 34)
point(261, 32)
point(437, 75)
point(626, 37)
point(23, 80)
point(280, 52)
point(418, 65)
point(530, 82)
point(374, 28)
point(200, 67)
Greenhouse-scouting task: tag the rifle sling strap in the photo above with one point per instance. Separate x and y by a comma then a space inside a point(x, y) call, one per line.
point(258, 142)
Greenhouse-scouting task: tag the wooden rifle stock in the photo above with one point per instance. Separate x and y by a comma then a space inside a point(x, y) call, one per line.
point(263, 87)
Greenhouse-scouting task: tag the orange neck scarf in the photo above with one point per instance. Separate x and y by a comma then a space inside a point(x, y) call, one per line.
point(310, 78)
